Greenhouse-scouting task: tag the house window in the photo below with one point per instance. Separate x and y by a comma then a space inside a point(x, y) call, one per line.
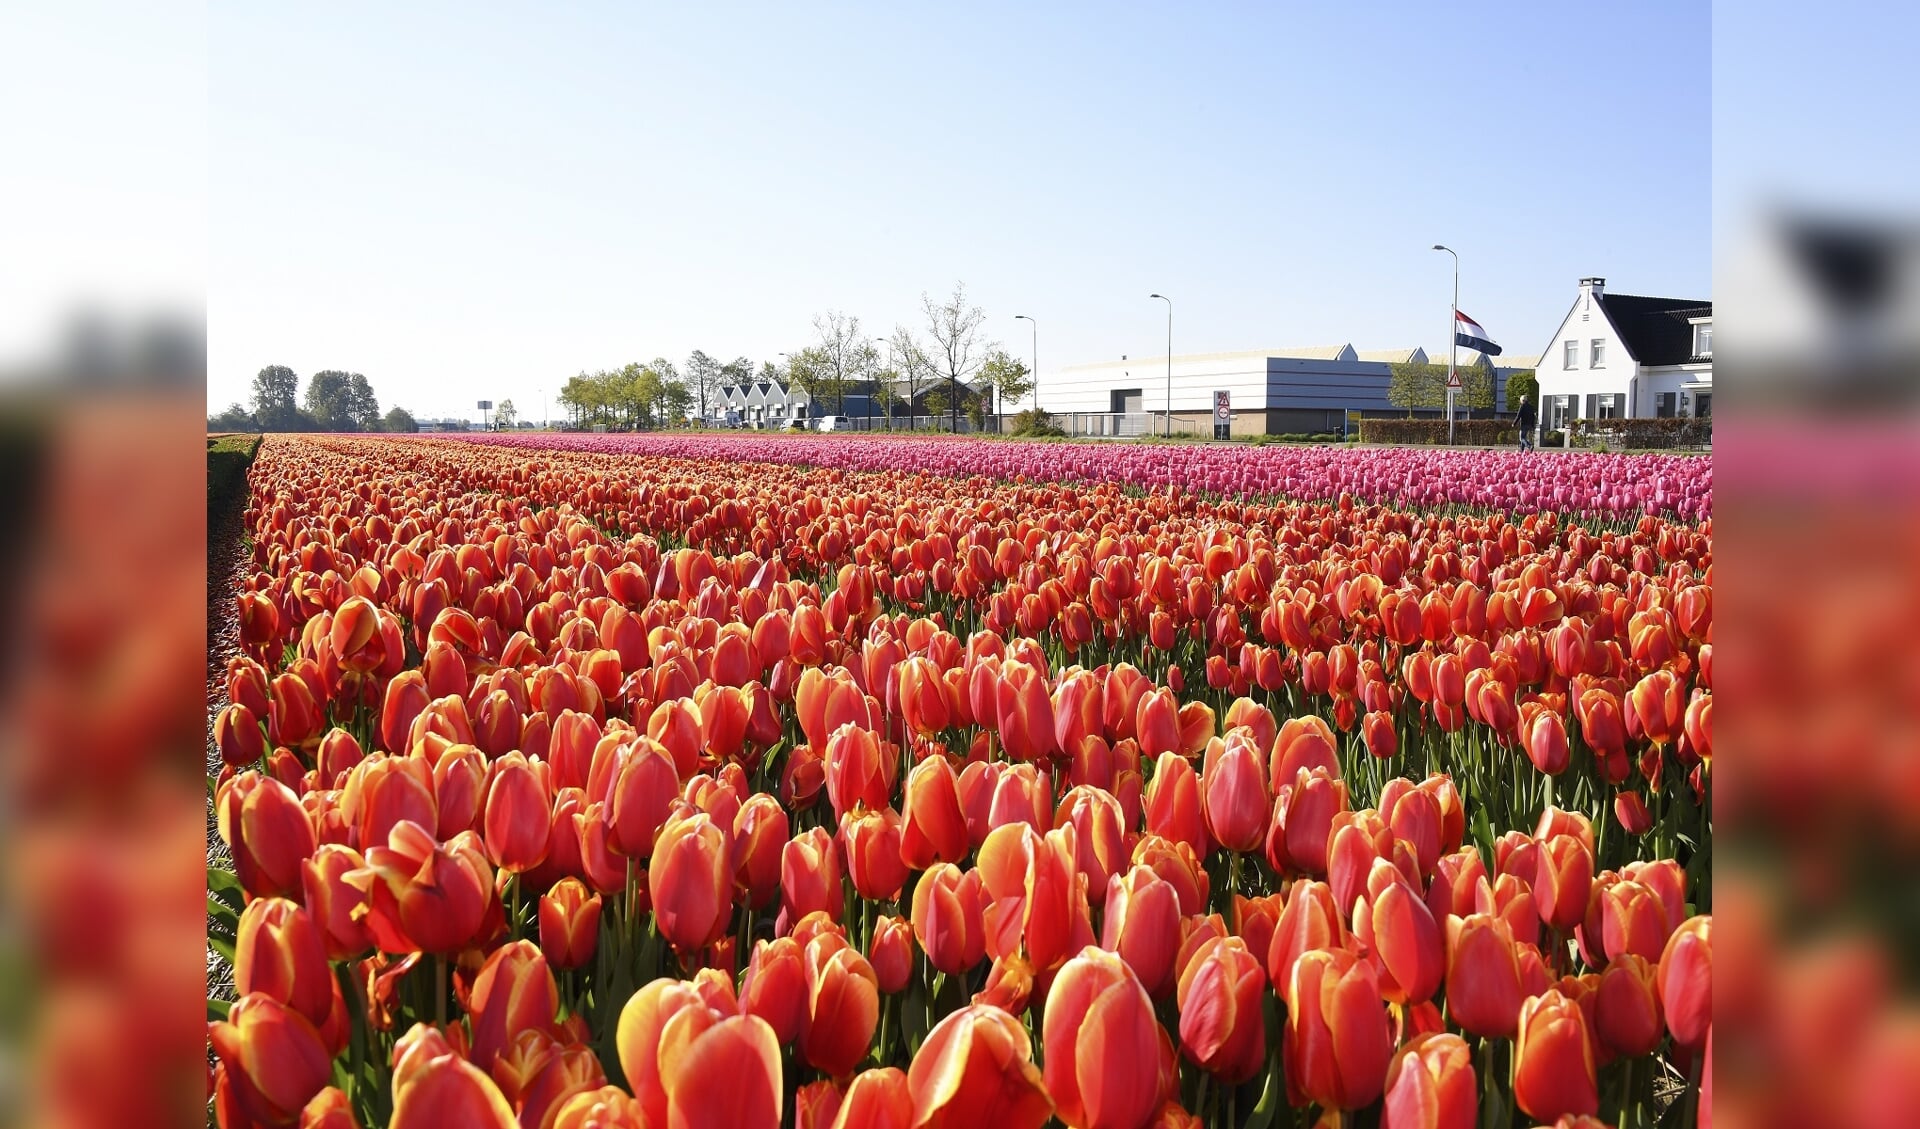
point(1703, 339)
point(1605, 405)
point(1668, 405)
point(1573, 355)
point(1597, 353)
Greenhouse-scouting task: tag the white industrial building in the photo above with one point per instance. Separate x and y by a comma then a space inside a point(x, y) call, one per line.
point(1271, 391)
point(1625, 356)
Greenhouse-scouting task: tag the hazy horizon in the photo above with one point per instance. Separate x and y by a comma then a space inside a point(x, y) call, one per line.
point(466, 205)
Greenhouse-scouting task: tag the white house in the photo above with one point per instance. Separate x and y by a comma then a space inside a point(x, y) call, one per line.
point(1624, 356)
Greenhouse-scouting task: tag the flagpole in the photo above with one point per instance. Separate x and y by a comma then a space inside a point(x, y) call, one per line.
point(1453, 340)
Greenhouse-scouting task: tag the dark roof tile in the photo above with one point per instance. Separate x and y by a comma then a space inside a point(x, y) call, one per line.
point(1656, 330)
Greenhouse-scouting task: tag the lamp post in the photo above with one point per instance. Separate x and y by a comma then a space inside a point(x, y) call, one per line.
point(1036, 357)
point(1169, 302)
point(1453, 322)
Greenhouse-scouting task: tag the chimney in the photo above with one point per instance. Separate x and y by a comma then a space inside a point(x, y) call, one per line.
point(1593, 286)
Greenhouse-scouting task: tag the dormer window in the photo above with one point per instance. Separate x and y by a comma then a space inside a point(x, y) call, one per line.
point(1703, 339)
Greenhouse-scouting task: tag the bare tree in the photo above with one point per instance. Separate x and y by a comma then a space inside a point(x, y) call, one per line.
point(703, 380)
point(913, 369)
point(848, 352)
point(957, 349)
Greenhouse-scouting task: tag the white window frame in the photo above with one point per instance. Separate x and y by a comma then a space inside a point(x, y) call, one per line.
point(1597, 353)
point(1703, 332)
point(1570, 354)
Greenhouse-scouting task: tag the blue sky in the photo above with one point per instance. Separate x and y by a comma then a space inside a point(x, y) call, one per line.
point(466, 201)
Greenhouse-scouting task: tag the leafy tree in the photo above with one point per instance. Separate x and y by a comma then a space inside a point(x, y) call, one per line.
point(363, 408)
point(975, 403)
point(341, 401)
point(504, 414)
point(1521, 387)
point(235, 418)
point(1004, 377)
point(1425, 386)
point(274, 389)
point(643, 391)
point(398, 419)
point(811, 372)
point(326, 400)
point(957, 349)
point(938, 400)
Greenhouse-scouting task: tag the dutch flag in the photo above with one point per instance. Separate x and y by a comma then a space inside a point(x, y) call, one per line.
point(1467, 332)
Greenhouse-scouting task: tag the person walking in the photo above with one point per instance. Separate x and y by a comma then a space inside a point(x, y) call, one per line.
point(1528, 416)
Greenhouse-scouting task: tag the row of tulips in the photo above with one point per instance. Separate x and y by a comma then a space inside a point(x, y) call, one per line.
point(1409, 477)
point(697, 762)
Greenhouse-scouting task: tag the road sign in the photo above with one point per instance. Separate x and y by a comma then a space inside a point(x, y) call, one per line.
point(1453, 380)
point(1223, 415)
point(486, 405)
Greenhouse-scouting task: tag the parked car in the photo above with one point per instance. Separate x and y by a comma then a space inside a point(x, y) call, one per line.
point(830, 423)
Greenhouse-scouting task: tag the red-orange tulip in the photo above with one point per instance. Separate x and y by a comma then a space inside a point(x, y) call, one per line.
point(1039, 902)
point(279, 954)
point(644, 782)
point(569, 924)
point(518, 816)
point(891, 953)
point(1309, 921)
point(810, 877)
point(1561, 881)
point(1142, 926)
point(607, 1107)
point(275, 1061)
point(1686, 981)
point(934, 827)
point(1553, 1068)
point(775, 987)
point(870, 842)
point(876, 1099)
point(1400, 936)
point(433, 1086)
point(1632, 920)
point(329, 1109)
point(268, 832)
point(858, 770)
point(1627, 1016)
point(513, 992)
point(1234, 798)
point(1484, 990)
point(1100, 840)
point(1104, 1049)
point(976, 1068)
point(691, 882)
point(241, 738)
point(1222, 1030)
point(424, 896)
point(1303, 819)
point(1431, 1085)
point(1024, 713)
point(332, 902)
point(843, 1005)
point(1173, 803)
point(1337, 1040)
point(760, 834)
point(949, 908)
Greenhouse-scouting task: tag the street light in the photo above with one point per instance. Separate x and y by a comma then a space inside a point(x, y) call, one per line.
point(1169, 302)
point(1036, 357)
point(1453, 323)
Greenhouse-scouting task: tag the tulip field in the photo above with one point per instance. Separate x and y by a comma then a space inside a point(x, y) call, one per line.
point(670, 781)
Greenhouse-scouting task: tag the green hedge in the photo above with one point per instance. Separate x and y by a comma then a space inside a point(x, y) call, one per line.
point(1644, 432)
point(228, 457)
point(1432, 432)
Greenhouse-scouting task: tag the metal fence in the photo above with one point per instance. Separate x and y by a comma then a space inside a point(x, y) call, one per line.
point(1126, 425)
